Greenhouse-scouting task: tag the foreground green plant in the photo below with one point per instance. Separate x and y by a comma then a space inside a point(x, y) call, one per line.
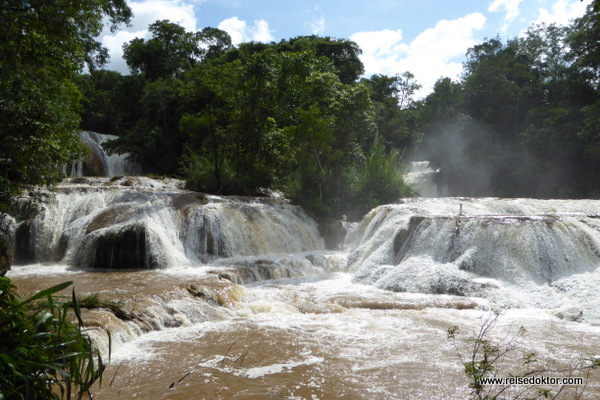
point(42, 354)
point(486, 362)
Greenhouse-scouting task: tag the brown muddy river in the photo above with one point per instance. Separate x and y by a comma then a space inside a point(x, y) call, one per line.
point(310, 338)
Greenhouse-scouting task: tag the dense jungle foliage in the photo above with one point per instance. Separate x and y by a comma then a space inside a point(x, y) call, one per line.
point(299, 117)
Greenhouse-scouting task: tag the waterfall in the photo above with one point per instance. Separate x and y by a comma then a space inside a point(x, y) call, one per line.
point(516, 252)
point(147, 223)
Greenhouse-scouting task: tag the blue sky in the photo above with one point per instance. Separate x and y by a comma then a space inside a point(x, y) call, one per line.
point(426, 37)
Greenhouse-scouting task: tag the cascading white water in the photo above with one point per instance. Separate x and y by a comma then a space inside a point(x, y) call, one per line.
point(516, 253)
point(147, 223)
point(364, 321)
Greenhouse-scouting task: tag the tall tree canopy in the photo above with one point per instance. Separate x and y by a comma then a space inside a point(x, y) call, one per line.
point(172, 50)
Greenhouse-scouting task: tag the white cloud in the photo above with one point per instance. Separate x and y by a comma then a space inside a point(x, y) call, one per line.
point(261, 31)
point(145, 13)
point(235, 27)
point(429, 56)
point(381, 50)
point(315, 21)
point(562, 12)
point(241, 32)
point(318, 26)
point(510, 6)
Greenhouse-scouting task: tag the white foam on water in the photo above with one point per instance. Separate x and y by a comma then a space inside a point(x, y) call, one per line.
point(216, 363)
point(41, 269)
point(382, 306)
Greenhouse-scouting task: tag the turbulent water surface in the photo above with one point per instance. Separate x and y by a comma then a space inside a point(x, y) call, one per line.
point(237, 298)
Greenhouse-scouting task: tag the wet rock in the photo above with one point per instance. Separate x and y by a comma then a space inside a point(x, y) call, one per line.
point(6, 257)
point(221, 293)
point(204, 293)
point(93, 164)
point(259, 270)
point(126, 248)
point(570, 313)
point(80, 180)
point(26, 207)
point(129, 182)
point(111, 216)
point(230, 276)
point(403, 237)
point(186, 200)
point(24, 248)
point(123, 315)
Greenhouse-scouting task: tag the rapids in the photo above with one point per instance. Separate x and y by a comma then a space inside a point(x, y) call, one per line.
point(210, 297)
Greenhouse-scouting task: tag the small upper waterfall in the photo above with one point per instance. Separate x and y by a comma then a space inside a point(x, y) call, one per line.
point(420, 175)
point(98, 162)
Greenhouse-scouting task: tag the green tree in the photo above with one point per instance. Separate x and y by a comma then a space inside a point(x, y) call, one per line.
point(111, 101)
point(155, 139)
point(498, 83)
point(380, 180)
point(590, 132)
point(44, 43)
point(443, 105)
point(216, 42)
point(584, 53)
point(343, 53)
point(231, 128)
point(396, 117)
point(583, 43)
point(333, 124)
point(550, 136)
point(523, 120)
point(502, 87)
point(160, 93)
point(276, 117)
point(172, 51)
point(209, 109)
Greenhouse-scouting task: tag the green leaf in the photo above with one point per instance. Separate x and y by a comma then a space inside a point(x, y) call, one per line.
point(46, 292)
